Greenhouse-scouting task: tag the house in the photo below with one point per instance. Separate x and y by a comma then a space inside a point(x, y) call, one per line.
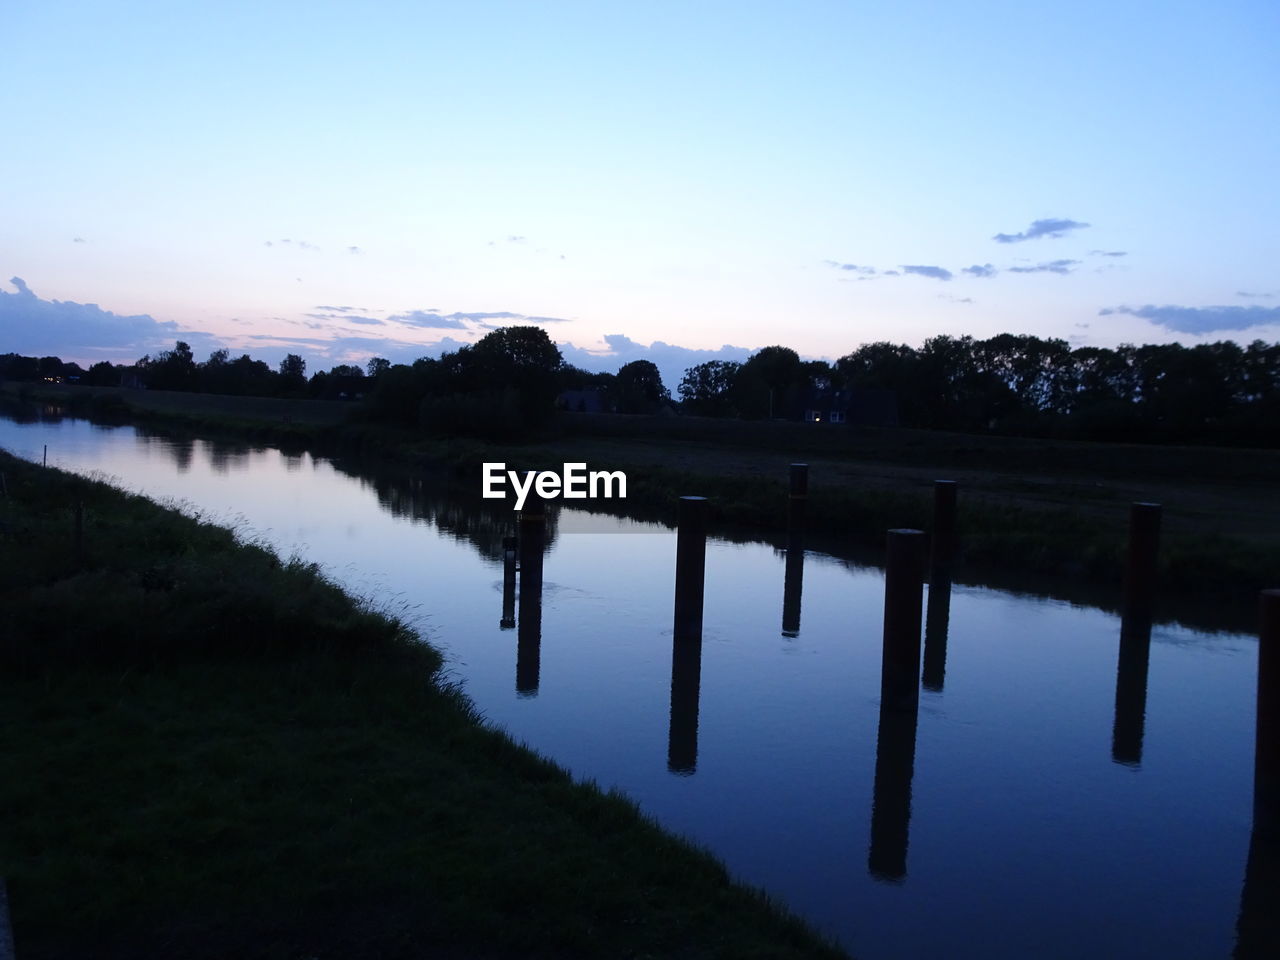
point(859, 406)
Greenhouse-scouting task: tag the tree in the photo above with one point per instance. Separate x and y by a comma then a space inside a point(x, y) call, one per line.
point(770, 384)
point(638, 388)
point(378, 366)
point(171, 370)
point(705, 389)
point(293, 375)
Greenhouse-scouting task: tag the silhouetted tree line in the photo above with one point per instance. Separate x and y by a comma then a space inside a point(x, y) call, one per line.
point(177, 369)
point(1218, 392)
point(508, 382)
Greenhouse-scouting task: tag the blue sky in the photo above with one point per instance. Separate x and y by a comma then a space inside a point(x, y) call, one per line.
point(344, 180)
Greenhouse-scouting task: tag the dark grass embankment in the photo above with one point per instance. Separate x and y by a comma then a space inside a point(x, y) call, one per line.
point(1044, 507)
point(210, 752)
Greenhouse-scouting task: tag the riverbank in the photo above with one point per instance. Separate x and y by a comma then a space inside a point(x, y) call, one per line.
point(212, 752)
point(1043, 507)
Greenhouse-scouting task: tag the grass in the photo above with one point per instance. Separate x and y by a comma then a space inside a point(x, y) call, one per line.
point(210, 751)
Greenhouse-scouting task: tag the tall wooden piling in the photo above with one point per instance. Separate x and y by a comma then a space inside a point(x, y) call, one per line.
point(903, 593)
point(1266, 769)
point(529, 633)
point(508, 620)
point(691, 560)
point(943, 539)
point(1140, 569)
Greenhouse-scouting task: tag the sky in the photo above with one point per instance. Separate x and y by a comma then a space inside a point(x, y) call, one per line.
point(672, 181)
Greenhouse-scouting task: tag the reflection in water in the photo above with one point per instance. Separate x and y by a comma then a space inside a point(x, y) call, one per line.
point(936, 622)
point(793, 585)
point(1258, 926)
point(182, 448)
point(529, 633)
point(1131, 692)
point(508, 583)
point(891, 803)
point(686, 678)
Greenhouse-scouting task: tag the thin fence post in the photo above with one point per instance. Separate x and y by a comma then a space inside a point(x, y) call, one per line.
point(691, 559)
point(797, 500)
point(942, 553)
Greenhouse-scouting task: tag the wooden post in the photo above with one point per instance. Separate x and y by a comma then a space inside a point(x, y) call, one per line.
point(691, 560)
point(529, 633)
point(942, 554)
point(900, 664)
point(798, 499)
point(1140, 571)
point(45, 461)
point(891, 796)
point(508, 583)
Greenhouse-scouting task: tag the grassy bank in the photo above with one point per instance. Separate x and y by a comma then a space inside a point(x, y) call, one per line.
point(1055, 508)
point(212, 752)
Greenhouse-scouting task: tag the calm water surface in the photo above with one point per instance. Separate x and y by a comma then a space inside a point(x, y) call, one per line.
point(1004, 825)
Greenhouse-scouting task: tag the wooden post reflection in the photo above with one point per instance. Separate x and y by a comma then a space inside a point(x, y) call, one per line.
point(1258, 926)
point(529, 633)
point(1131, 693)
point(686, 680)
point(891, 802)
point(899, 703)
point(793, 585)
point(508, 620)
point(937, 620)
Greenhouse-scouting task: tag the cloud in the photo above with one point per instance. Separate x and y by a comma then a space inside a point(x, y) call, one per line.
point(354, 250)
point(344, 315)
point(947, 296)
point(546, 319)
point(1201, 319)
point(980, 270)
point(78, 240)
point(936, 273)
point(1041, 228)
point(428, 319)
point(1108, 253)
point(1253, 296)
point(850, 267)
point(300, 244)
point(79, 331)
point(671, 360)
point(1053, 266)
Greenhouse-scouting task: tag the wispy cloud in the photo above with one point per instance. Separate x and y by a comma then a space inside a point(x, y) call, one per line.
point(935, 273)
point(429, 319)
point(1254, 296)
point(1053, 229)
point(1053, 266)
point(1108, 253)
point(354, 250)
point(948, 297)
point(850, 267)
point(981, 270)
point(78, 240)
point(1201, 319)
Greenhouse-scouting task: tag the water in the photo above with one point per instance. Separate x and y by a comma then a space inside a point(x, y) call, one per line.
point(1016, 816)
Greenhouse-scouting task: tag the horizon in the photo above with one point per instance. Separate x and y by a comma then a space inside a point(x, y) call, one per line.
point(644, 183)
